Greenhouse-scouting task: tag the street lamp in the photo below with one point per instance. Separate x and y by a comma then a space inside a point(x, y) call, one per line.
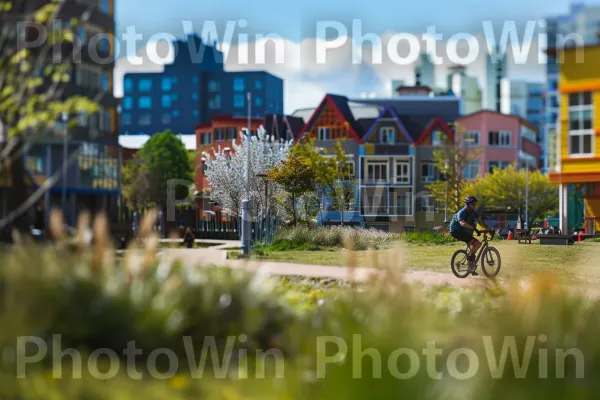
point(64, 117)
point(446, 193)
point(266, 216)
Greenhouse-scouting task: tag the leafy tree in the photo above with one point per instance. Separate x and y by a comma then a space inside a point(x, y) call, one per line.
point(332, 173)
point(505, 189)
point(33, 83)
point(296, 177)
point(163, 158)
point(451, 162)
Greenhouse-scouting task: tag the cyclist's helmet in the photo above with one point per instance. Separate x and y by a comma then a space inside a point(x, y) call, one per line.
point(470, 200)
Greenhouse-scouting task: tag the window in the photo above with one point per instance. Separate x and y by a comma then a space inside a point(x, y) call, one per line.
point(377, 171)
point(387, 134)
point(166, 100)
point(145, 119)
point(471, 170)
point(238, 85)
point(581, 132)
point(206, 138)
point(402, 172)
point(219, 135)
point(166, 118)
point(258, 84)
point(428, 172)
point(231, 133)
point(324, 133)
point(35, 165)
point(238, 100)
point(176, 113)
point(88, 77)
point(258, 101)
point(215, 102)
point(104, 6)
point(347, 171)
point(376, 204)
point(126, 119)
point(471, 138)
point(438, 138)
point(145, 102)
point(213, 86)
point(166, 84)
point(195, 80)
point(127, 103)
point(499, 138)
point(195, 96)
point(128, 85)
point(196, 113)
point(427, 204)
point(145, 85)
point(104, 121)
point(82, 35)
point(403, 204)
point(492, 165)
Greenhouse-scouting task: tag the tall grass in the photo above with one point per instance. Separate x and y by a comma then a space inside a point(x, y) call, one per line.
point(94, 300)
point(305, 238)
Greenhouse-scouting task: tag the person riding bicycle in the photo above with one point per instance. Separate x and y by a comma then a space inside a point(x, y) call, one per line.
point(464, 224)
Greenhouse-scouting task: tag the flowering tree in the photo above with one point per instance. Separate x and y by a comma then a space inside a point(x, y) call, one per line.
point(226, 173)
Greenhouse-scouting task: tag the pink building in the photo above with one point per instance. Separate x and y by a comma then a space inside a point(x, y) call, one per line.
point(503, 139)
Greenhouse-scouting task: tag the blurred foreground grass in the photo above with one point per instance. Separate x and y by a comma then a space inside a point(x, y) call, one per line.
point(323, 339)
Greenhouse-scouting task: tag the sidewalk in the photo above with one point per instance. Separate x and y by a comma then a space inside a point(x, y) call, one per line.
point(215, 256)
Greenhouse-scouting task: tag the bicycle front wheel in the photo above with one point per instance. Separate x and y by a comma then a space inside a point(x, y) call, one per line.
point(491, 262)
point(460, 264)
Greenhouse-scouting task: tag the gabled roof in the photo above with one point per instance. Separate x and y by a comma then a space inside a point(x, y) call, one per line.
point(295, 124)
point(437, 121)
point(447, 107)
point(518, 117)
point(359, 116)
point(394, 115)
point(278, 124)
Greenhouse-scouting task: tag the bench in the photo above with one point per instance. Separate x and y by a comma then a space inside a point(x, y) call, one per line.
point(523, 235)
point(561, 240)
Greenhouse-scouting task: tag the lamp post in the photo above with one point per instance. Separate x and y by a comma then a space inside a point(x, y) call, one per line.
point(446, 193)
point(266, 210)
point(64, 117)
point(246, 204)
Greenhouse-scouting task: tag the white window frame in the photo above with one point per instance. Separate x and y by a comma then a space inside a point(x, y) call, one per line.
point(384, 132)
point(442, 136)
point(434, 170)
point(409, 210)
point(377, 163)
point(427, 203)
point(469, 168)
point(581, 133)
point(476, 135)
point(505, 163)
point(405, 179)
point(324, 133)
point(501, 134)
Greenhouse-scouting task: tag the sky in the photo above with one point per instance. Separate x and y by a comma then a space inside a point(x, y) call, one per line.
point(294, 25)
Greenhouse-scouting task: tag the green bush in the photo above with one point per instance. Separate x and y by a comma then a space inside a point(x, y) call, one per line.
point(429, 237)
point(305, 238)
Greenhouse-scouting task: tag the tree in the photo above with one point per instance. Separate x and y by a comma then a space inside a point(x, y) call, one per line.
point(226, 172)
point(163, 158)
point(451, 162)
point(33, 83)
point(505, 189)
point(332, 172)
point(297, 179)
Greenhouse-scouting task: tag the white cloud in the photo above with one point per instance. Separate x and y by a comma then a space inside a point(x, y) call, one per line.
point(306, 81)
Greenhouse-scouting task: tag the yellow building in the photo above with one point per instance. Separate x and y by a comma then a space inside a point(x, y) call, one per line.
point(577, 163)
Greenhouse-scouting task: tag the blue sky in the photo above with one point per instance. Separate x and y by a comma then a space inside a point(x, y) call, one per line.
point(296, 21)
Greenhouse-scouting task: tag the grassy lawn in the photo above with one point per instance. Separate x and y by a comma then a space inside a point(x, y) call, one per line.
point(573, 263)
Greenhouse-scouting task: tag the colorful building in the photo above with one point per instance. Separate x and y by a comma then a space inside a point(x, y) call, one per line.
point(577, 169)
point(390, 144)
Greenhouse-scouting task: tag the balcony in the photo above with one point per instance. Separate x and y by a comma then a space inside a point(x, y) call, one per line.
point(391, 149)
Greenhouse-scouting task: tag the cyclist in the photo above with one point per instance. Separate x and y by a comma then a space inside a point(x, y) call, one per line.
point(464, 224)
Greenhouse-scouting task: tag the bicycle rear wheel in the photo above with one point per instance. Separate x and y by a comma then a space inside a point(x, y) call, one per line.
point(460, 264)
point(491, 262)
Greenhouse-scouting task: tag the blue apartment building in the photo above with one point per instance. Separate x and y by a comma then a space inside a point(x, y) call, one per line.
point(194, 89)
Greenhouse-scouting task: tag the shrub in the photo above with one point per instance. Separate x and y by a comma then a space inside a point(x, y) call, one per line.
point(304, 238)
point(429, 237)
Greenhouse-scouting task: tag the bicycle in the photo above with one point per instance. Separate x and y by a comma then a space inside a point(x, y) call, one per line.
point(486, 254)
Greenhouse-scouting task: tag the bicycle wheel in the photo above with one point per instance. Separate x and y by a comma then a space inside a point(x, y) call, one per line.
point(460, 264)
point(491, 262)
